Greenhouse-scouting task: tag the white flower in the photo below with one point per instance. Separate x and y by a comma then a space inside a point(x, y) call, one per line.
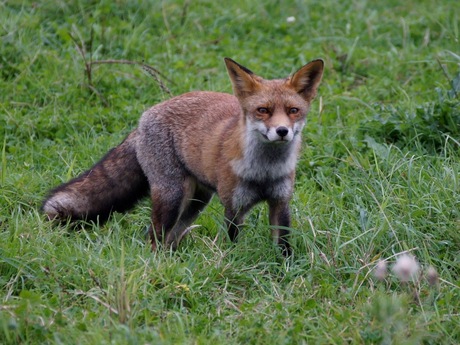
point(380, 271)
point(432, 276)
point(406, 268)
point(290, 19)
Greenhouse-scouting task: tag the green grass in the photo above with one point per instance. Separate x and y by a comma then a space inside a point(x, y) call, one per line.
point(379, 175)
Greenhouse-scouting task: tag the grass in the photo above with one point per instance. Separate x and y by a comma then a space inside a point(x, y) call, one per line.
point(379, 175)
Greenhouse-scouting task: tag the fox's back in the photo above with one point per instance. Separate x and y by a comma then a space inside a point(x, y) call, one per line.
point(193, 108)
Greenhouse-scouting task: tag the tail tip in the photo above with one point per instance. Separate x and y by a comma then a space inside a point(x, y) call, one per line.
point(60, 206)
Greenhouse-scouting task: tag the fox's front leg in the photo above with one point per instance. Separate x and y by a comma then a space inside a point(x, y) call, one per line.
point(280, 220)
point(234, 219)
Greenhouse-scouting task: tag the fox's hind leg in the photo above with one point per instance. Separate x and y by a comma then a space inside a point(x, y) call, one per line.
point(176, 197)
point(167, 202)
point(194, 206)
point(174, 209)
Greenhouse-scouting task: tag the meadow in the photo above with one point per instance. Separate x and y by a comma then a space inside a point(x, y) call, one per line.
point(378, 177)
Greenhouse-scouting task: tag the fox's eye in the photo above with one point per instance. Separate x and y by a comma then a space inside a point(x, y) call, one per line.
point(262, 110)
point(293, 110)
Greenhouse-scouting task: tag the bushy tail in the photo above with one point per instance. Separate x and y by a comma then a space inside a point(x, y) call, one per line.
point(115, 183)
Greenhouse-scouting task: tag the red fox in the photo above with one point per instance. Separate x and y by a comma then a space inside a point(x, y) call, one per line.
point(244, 147)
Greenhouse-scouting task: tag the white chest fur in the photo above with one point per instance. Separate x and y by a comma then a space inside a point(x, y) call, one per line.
point(264, 161)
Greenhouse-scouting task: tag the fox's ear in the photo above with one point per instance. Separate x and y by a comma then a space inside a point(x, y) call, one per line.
point(243, 80)
point(306, 80)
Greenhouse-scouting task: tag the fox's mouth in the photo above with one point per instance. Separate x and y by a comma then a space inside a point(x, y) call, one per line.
point(280, 141)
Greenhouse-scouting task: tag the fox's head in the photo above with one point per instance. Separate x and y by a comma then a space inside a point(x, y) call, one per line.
point(275, 110)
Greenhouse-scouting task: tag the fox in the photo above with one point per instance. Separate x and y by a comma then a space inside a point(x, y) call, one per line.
point(243, 147)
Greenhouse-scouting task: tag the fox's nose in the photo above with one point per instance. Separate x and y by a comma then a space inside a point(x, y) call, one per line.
point(282, 131)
